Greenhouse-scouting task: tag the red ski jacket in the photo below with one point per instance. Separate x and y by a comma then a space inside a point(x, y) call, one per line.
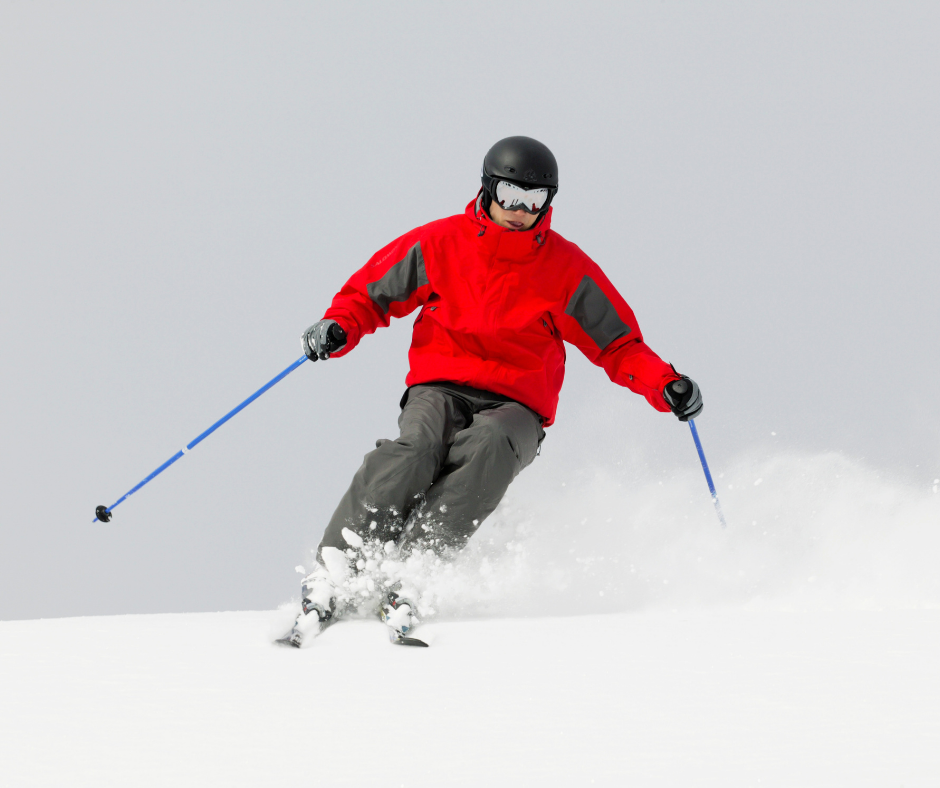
point(496, 307)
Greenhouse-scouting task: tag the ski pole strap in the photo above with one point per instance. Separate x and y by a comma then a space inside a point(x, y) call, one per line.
point(103, 514)
point(708, 475)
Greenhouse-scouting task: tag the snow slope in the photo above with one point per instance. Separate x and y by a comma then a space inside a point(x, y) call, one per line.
point(707, 698)
point(798, 647)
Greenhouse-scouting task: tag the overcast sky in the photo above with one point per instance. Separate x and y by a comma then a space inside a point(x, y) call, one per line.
point(184, 186)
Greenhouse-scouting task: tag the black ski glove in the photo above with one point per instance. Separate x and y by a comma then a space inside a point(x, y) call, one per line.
point(684, 397)
point(323, 338)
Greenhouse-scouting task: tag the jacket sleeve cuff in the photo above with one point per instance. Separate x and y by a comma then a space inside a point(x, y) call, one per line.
point(350, 326)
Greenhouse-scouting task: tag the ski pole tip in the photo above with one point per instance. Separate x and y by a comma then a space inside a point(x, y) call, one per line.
point(102, 514)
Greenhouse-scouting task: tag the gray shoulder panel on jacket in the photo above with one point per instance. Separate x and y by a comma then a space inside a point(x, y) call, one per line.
point(400, 281)
point(596, 314)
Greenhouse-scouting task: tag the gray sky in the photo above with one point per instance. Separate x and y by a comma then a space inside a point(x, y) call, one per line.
point(184, 186)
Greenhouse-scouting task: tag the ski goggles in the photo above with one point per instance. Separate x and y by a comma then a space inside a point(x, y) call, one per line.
point(512, 197)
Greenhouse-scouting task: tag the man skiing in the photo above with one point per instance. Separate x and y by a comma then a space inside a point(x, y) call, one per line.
point(499, 293)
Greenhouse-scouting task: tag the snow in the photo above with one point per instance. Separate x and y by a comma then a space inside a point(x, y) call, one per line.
point(603, 632)
point(820, 532)
point(721, 697)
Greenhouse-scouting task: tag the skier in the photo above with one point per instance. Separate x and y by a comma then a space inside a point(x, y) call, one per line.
point(499, 293)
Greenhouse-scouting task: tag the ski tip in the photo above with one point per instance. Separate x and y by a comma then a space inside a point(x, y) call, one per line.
point(404, 641)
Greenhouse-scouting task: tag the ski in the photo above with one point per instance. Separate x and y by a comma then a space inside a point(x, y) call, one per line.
point(401, 640)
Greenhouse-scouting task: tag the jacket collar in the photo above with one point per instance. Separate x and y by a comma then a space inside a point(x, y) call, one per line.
point(521, 241)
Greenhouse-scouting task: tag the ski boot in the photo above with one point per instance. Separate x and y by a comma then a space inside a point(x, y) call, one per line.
point(319, 607)
point(308, 625)
point(400, 615)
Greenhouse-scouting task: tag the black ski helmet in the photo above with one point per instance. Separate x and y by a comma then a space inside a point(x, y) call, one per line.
point(522, 160)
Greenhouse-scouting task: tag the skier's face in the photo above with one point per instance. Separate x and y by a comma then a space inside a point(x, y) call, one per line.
point(512, 220)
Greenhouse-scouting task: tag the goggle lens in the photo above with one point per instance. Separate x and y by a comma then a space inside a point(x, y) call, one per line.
point(513, 198)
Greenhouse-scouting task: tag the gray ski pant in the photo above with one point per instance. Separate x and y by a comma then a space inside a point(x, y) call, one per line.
point(458, 451)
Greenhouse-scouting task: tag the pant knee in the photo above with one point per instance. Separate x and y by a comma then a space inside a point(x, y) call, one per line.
point(406, 448)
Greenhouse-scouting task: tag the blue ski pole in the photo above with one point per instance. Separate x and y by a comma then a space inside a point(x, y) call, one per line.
point(103, 513)
point(708, 475)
